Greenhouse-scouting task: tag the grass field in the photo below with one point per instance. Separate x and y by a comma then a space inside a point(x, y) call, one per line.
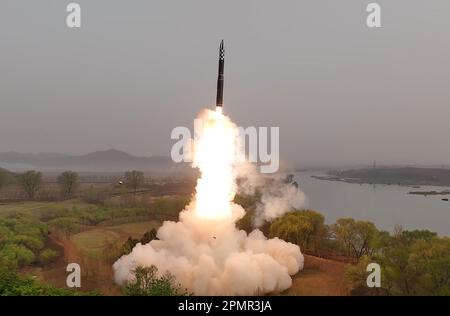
point(98, 246)
point(38, 207)
point(94, 242)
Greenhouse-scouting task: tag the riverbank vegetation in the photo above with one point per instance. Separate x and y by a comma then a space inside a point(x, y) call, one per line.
point(38, 238)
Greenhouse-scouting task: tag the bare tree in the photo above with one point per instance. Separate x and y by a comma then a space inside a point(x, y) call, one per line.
point(134, 179)
point(3, 178)
point(68, 182)
point(31, 182)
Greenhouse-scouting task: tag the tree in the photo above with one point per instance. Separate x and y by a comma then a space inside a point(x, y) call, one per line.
point(249, 202)
point(14, 256)
point(134, 179)
point(67, 225)
point(48, 255)
point(413, 235)
point(129, 245)
point(12, 284)
point(147, 283)
point(3, 178)
point(131, 242)
point(319, 229)
point(31, 182)
point(32, 242)
point(305, 228)
point(357, 275)
point(149, 236)
point(437, 263)
point(432, 259)
point(356, 237)
point(415, 263)
point(68, 182)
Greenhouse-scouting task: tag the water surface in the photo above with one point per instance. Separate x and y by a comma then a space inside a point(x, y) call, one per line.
point(385, 205)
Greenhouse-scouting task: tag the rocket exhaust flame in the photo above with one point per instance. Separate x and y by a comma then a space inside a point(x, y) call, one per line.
point(214, 155)
point(204, 250)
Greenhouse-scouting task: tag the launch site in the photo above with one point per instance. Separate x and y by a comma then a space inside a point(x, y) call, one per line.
point(224, 156)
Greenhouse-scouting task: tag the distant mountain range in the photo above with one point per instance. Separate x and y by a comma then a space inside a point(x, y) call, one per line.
point(111, 160)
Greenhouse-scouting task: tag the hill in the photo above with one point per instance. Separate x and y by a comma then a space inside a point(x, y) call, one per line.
point(99, 161)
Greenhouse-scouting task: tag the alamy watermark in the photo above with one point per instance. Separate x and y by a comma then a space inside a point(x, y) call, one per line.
point(73, 19)
point(74, 277)
point(374, 277)
point(257, 145)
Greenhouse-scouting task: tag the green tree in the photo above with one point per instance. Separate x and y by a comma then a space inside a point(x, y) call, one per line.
point(432, 259)
point(410, 236)
point(134, 179)
point(357, 275)
point(305, 228)
point(358, 238)
point(68, 182)
point(31, 182)
point(14, 256)
point(129, 245)
point(147, 283)
point(320, 231)
point(32, 242)
point(48, 255)
point(148, 236)
point(415, 263)
point(11, 284)
point(67, 225)
point(131, 242)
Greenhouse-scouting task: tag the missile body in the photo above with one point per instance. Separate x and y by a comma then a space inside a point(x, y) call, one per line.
point(219, 98)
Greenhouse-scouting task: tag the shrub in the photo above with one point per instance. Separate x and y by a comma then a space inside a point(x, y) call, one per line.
point(96, 196)
point(48, 255)
point(148, 283)
point(11, 284)
point(67, 225)
point(15, 256)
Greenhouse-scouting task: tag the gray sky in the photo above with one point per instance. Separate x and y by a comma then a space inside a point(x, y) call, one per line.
point(340, 92)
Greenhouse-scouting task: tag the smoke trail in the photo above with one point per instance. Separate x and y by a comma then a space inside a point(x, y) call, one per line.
point(278, 196)
point(204, 250)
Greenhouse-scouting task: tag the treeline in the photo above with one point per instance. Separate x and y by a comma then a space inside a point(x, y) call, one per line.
point(31, 183)
point(413, 262)
point(12, 284)
point(24, 235)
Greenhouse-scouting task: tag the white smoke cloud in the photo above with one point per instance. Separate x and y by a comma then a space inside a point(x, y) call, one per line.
point(204, 250)
point(215, 258)
point(277, 196)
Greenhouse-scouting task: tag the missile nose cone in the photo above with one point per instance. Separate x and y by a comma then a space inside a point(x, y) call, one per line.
point(221, 51)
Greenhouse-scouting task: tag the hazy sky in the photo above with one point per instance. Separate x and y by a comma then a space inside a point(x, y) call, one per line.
point(339, 91)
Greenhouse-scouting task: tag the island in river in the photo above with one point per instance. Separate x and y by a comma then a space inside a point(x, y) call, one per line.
point(405, 176)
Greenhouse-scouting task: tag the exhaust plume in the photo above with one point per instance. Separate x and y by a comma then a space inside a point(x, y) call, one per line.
point(277, 194)
point(204, 250)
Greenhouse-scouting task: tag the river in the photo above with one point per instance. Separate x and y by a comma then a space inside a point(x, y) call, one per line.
point(384, 205)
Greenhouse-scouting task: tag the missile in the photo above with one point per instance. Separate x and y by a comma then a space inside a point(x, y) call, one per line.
point(219, 98)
